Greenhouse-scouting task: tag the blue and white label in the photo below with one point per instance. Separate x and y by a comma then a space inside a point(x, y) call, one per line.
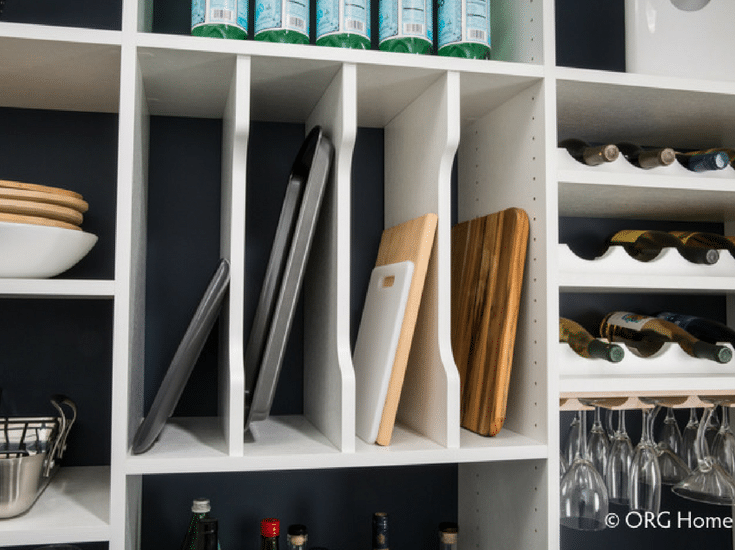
point(464, 21)
point(406, 18)
point(282, 15)
point(219, 12)
point(342, 16)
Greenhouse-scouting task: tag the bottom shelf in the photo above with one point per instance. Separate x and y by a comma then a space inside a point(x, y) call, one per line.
point(189, 445)
point(75, 507)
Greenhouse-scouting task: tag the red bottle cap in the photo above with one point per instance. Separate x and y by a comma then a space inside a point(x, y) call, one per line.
point(270, 527)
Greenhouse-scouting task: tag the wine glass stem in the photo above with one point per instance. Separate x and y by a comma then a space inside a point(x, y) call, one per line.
point(582, 447)
point(621, 421)
point(725, 423)
point(700, 447)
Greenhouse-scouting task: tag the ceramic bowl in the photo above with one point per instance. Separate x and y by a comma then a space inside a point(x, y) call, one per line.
point(38, 251)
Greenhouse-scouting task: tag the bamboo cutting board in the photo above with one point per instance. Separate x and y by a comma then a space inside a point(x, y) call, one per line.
point(488, 259)
point(410, 241)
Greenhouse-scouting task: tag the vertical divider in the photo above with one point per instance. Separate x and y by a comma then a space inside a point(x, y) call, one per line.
point(329, 377)
point(129, 310)
point(235, 132)
point(420, 146)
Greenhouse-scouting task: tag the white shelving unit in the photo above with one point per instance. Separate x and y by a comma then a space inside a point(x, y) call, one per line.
point(500, 118)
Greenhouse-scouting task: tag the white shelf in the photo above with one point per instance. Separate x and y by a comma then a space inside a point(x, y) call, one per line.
point(59, 68)
point(293, 443)
point(56, 288)
point(75, 507)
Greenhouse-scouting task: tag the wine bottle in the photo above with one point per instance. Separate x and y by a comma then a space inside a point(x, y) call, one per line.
point(590, 154)
point(704, 161)
point(209, 537)
point(200, 509)
point(380, 531)
point(647, 158)
point(586, 345)
point(646, 335)
point(297, 537)
point(270, 529)
point(699, 327)
point(644, 246)
point(705, 240)
point(448, 532)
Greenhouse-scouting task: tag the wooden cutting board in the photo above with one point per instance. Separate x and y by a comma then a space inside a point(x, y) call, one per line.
point(41, 196)
point(37, 187)
point(410, 241)
point(488, 259)
point(41, 210)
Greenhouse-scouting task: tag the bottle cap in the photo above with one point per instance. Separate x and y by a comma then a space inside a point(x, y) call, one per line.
point(201, 506)
point(270, 527)
point(448, 532)
point(610, 152)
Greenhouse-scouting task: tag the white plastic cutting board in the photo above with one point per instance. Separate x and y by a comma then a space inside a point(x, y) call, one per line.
point(377, 341)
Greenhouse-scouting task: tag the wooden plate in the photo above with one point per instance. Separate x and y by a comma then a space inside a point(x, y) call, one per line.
point(41, 196)
point(34, 220)
point(42, 210)
point(37, 187)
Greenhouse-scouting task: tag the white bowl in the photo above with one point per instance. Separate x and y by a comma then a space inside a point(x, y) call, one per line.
point(39, 251)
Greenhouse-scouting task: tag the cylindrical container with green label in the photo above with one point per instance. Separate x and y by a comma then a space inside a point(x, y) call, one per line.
point(219, 18)
point(464, 28)
point(343, 23)
point(406, 26)
point(282, 21)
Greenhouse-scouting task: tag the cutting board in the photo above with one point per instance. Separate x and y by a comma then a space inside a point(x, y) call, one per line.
point(488, 260)
point(377, 342)
point(410, 241)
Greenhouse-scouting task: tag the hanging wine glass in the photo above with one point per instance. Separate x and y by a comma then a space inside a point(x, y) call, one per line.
point(562, 465)
point(709, 482)
point(673, 468)
point(670, 436)
point(583, 495)
point(644, 485)
point(570, 450)
point(688, 440)
point(598, 446)
point(723, 448)
point(618, 463)
point(713, 426)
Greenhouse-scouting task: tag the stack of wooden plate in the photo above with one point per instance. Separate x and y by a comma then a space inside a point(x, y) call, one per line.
point(41, 205)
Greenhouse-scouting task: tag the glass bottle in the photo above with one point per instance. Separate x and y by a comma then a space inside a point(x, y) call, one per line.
point(591, 155)
point(705, 329)
point(209, 538)
point(406, 26)
point(296, 537)
point(646, 335)
point(343, 24)
point(200, 509)
point(219, 18)
point(285, 21)
point(644, 246)
point(270, 529)
point(586, 345)
point(647, 158)
point(380, 531)
point(448, 532)
point(464, 28)
point(703, 239)
point(704, 160)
